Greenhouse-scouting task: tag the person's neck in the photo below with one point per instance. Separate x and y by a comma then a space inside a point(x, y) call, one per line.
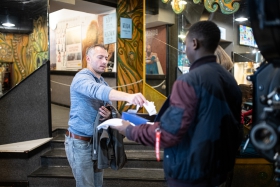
point(201, 54)
point(98, 75)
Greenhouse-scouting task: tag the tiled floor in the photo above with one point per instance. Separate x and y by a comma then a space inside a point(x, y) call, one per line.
point(60, 116)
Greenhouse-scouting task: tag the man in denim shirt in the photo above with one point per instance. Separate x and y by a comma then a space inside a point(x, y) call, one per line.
point(89, 94)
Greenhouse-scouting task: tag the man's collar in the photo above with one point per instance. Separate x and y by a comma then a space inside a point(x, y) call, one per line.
point(96, 78)
point(203, 60)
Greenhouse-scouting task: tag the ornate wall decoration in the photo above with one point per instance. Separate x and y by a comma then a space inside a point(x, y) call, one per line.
point(226, 6)
point(26, 52)
point(130, 51)
point(5, 52)
point(177, 5)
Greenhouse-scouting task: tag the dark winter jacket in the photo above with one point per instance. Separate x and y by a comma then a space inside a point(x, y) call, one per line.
point(108, 148)
point(200, 129)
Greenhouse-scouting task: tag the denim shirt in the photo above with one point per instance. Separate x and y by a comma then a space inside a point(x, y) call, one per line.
point(87, 94)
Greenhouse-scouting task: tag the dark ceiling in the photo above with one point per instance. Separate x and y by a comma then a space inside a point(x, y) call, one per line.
point(21, 13)
point(25, 8)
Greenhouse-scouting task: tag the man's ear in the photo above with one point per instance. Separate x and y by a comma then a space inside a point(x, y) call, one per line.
point(87, 58)
point(195, 44)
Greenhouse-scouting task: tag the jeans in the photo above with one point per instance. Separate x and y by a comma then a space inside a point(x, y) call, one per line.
point(78, 153)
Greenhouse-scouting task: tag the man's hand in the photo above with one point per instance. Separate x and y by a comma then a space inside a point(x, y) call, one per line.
point(136, 99)
point(122, 128)
point(105, 113)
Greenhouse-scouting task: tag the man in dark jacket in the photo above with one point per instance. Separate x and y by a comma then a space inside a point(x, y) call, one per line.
point(200, 128)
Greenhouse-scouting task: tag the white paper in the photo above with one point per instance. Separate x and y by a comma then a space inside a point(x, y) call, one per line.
point(111, 122)
point(150, 107)
point(134, 111)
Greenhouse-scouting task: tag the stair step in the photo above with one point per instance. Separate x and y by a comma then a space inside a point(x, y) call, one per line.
point(141, 169)
point(137, 177)
point(58, 131)
point(136, 158)
point(55, 157)
point(14, 183)
point(58, 142)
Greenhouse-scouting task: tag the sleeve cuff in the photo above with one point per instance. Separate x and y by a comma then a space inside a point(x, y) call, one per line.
point(128, 132)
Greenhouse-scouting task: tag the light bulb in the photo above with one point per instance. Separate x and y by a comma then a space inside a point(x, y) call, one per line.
point(241, 19)
point(8, 24)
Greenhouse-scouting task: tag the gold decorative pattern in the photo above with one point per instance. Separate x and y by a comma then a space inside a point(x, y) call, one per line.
point(130, 51)
point(26, 52)
point(5, 52)
point(177, 6)
point(226, 6)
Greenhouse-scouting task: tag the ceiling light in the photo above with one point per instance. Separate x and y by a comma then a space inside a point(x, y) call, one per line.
point(8, 24)
point(8, 20)
point(182, 35)
point(241, 19)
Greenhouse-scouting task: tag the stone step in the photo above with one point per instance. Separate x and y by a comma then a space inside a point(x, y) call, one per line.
point(62, 176)
point(135, 158)
point(58, 142)
point(21, 183)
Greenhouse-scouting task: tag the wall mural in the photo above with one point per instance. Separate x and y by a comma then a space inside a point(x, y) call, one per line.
point(25, 52)
point(130, 51)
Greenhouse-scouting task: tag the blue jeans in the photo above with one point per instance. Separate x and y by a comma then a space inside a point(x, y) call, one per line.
point(78, 153)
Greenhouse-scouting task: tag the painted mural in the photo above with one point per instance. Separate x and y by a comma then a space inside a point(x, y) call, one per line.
point(130, 51)
point(25, 52)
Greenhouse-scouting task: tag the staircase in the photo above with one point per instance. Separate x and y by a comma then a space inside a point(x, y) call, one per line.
point(141, 170)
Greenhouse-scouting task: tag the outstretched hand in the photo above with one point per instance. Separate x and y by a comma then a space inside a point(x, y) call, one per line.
point(136, 99)
point(121, 128)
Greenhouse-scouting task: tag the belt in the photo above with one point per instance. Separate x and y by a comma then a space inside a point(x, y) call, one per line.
point(70, 134)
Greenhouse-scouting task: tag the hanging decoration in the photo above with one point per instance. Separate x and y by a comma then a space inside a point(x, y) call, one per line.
point(226, 6)
point(177, 5)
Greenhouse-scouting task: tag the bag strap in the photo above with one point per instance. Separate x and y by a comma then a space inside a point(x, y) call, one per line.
point(115, 112)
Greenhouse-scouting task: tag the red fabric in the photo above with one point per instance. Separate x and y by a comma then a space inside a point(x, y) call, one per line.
point(246, 113)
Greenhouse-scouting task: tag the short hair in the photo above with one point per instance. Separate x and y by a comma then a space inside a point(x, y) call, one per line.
point(207, 32)
point(94, 46)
